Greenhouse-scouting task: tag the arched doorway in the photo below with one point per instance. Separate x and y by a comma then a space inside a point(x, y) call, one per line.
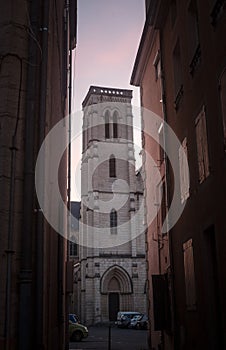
point(113, 305)
point(115, 286)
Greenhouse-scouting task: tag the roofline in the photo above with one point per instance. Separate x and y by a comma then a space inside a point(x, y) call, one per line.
point(107, 91)
point(155, 16)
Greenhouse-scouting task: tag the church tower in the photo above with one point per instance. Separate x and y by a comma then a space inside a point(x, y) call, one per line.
point(112, 241)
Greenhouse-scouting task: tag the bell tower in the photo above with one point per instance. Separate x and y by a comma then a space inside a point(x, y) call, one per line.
point(112, 245)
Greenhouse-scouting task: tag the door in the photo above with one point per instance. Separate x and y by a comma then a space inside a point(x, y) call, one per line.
point(113, 306)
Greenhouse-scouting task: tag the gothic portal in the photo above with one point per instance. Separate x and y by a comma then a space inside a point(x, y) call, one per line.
point(111, 235)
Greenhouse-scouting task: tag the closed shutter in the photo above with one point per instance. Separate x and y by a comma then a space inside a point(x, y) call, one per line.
point(189, 274)
point(202, 145)
point(184, 171)
point(223, 104)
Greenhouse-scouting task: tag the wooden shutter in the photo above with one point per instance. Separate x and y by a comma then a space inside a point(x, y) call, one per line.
point(223, 104)
point(184, 173)
point(202, 145)
point(189, 274)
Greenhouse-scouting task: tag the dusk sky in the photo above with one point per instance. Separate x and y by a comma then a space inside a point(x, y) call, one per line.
point(108, 37)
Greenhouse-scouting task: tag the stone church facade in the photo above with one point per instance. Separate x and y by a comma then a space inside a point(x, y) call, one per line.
point(112, 275)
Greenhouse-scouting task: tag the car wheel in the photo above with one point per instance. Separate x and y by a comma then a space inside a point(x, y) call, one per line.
point(76, 336)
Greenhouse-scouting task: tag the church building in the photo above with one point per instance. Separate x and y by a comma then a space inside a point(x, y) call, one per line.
point(112, 275)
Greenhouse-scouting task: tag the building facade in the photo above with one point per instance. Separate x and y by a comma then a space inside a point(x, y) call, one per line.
point(37, 39)
point(186, 86)
point(74, 307)
point(112, 239)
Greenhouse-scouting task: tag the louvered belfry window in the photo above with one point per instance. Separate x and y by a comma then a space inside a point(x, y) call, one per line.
point(115, 125)
point(113, 221)
point(107, 125)
point(112, 166)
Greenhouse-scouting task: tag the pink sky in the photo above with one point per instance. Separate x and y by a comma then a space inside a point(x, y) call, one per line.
point(108, 37)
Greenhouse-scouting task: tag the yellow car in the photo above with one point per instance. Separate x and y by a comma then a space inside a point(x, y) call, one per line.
point(77, 331)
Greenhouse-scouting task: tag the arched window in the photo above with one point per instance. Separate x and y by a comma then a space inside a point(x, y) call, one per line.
point(113, 221)
point(107, 125)
point(115, 125)
point(112, 166)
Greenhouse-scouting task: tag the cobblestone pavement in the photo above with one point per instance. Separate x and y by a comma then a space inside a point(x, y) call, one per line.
point(121, 339)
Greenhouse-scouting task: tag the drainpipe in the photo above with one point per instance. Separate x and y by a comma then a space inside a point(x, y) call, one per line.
point(167, 185)
point(40, 220)
point(9, 251)
point(25, 279)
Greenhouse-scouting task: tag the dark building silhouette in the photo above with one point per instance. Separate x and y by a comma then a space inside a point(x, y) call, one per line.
point(37, 38)
point(181, 70)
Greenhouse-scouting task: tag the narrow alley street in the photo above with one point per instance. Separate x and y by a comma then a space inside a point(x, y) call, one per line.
point(121, 339)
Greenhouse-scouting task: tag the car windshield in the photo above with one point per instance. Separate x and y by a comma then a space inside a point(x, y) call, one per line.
point(73, 318)
point(135, 318)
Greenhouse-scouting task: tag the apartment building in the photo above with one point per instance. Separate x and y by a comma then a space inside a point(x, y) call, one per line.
point(37, 39)
point(181, 70)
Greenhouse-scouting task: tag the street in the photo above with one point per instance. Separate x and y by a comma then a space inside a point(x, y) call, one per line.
point(121, 339)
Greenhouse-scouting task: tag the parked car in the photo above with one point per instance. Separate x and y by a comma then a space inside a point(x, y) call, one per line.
point(142, 323)
point(134, 320)
point(77, 331)
point(124, 318)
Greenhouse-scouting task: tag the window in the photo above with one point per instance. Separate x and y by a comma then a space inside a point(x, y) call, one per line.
point(173, 12)
point(113, 221)
point(107, 125)
point(115, 125)
point(184, 172)
point(112, 166)
point(193, 29)
point(73, 247)
point(218, 8)
point(202, 145)
point(157, 65)
point(161, 143)
point(189, 274)
point(161, 202)
point(223, 103)
point(178, 86)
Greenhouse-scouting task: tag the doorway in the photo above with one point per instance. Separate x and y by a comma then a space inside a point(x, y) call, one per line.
point(113, 306)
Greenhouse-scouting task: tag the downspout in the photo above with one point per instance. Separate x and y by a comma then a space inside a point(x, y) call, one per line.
point(9, 251)
point(26, 331)
point(167, 173)
point(69, 169)
point(69, 189)
point(40, 222)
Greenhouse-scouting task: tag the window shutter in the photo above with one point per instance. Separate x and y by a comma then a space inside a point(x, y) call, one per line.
point(202, 145)
point(205, 144)
point(184, 173)
point(189, 273)
point(223, 104)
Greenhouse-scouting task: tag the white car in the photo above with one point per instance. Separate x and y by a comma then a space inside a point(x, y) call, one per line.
point(124, 318)
point(134, 320)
